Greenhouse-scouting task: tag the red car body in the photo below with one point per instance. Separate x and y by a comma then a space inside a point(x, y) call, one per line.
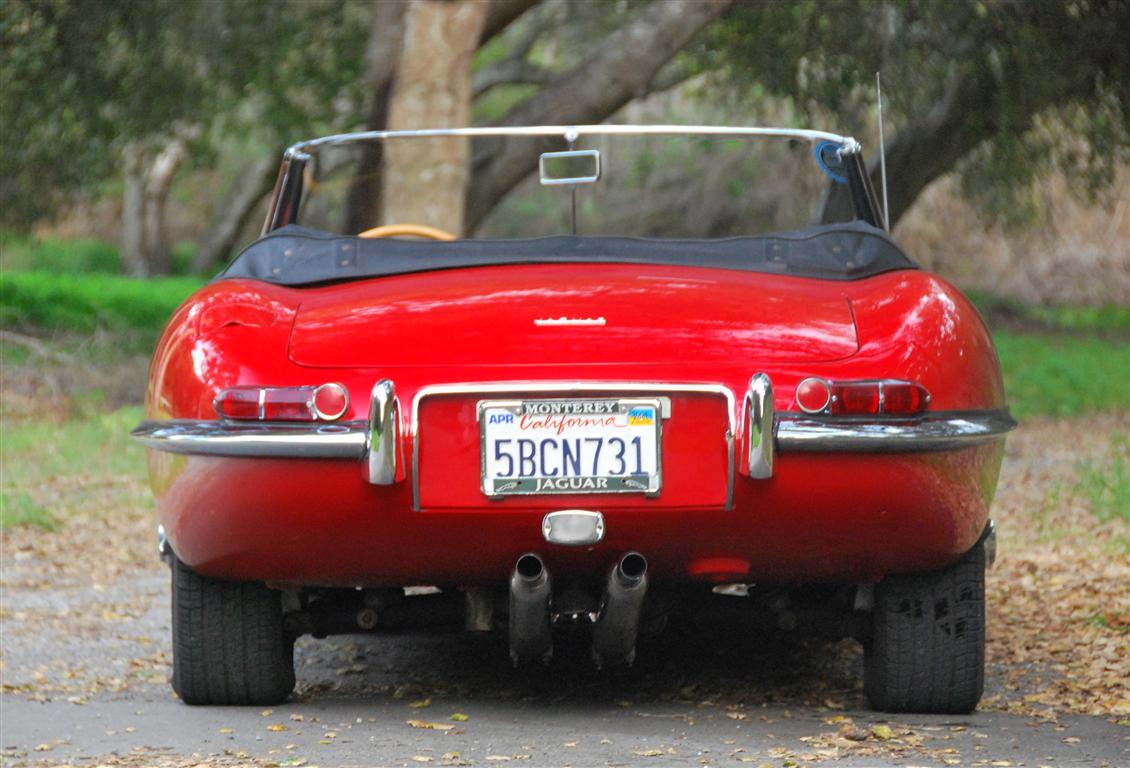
point(755, 489)
point(823, 516)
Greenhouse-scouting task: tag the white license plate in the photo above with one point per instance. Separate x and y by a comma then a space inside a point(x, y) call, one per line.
point(600, 445)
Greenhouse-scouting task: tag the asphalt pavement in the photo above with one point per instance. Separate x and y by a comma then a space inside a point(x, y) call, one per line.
point(699, 695)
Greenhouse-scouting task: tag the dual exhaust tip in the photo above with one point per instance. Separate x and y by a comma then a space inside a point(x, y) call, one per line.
point(614, 630)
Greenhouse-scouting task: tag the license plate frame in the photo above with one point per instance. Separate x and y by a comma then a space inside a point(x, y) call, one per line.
point(647, 483)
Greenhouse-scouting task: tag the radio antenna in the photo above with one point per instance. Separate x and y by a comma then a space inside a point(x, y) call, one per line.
point(882, 154)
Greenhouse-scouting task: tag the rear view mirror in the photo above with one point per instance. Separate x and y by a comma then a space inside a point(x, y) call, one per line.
point(580, 166)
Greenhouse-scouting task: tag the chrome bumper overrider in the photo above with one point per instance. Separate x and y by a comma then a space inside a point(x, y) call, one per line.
point(377, 441)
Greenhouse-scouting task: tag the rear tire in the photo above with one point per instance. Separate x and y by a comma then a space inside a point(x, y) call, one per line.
point(927, 648)
point(229, 643)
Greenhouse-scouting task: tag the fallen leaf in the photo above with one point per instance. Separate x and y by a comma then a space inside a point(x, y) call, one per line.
point(648, 752)
point(277, 727)
point(459, 717)
point(421, 704)
point(882, 732)
point(737, 715)
point(429, 725)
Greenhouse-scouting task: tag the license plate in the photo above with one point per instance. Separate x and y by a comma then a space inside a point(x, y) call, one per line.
point(605, 445)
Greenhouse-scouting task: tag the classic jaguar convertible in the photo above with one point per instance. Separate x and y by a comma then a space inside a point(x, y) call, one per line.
point(398, 429)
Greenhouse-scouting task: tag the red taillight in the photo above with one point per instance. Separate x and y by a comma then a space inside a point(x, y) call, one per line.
point(238, 403)
point(857, 398)
point(904, 397)
point(861, 398)
point(327, 402)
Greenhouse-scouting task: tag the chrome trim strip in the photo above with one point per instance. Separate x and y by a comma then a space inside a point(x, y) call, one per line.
point(938, 431)
point(384, 433)
point(344, 440)
point(301, 149)
point(570, 388)
point(759, 427)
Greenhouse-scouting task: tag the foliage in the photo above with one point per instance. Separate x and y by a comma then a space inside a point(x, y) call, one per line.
point(1063, 375)
point(21, 253)
point(91, 302)
point(1019, 111)
point(84, 78)
point(75, 257)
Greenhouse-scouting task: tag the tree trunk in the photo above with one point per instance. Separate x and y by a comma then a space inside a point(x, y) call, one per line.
point(158, 180)
point(622, 67)
point(133, 212)
point(425, 181)
point(363, 202)
point(231, 216)
point(925, 149)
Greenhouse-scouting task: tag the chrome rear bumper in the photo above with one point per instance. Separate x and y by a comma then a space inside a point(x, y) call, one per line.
point(939, 431)
point(356, 439)
point(377, 441)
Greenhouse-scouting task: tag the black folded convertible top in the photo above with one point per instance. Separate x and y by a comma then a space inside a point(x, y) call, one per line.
point(297, 256)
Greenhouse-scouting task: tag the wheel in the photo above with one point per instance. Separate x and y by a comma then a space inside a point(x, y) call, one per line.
point(927, 646)
point(229, 644)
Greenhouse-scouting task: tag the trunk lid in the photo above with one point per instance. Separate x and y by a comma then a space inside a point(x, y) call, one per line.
point(575, 314)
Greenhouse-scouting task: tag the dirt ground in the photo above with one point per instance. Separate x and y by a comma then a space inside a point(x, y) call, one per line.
point(84, 621)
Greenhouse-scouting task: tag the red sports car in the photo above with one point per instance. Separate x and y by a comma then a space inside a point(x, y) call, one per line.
point(576, 429)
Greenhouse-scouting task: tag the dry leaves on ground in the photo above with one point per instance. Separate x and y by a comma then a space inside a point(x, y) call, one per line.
point(1059, 595)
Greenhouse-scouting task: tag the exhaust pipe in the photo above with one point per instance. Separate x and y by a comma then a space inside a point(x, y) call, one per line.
point(530, 590)
point(614, 635)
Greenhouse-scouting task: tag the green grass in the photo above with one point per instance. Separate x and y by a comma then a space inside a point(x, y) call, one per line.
point(74, 257)
point(91, 303)
point(21, 253)
point(53, 469)
point(1109, 318)
point(1063, 375)
point(22, 509)
point(1106, 484)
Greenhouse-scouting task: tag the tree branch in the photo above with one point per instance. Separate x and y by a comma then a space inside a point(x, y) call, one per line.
point(500, 14)
point(624, 64)
point(231, 215)
point(508, 71)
